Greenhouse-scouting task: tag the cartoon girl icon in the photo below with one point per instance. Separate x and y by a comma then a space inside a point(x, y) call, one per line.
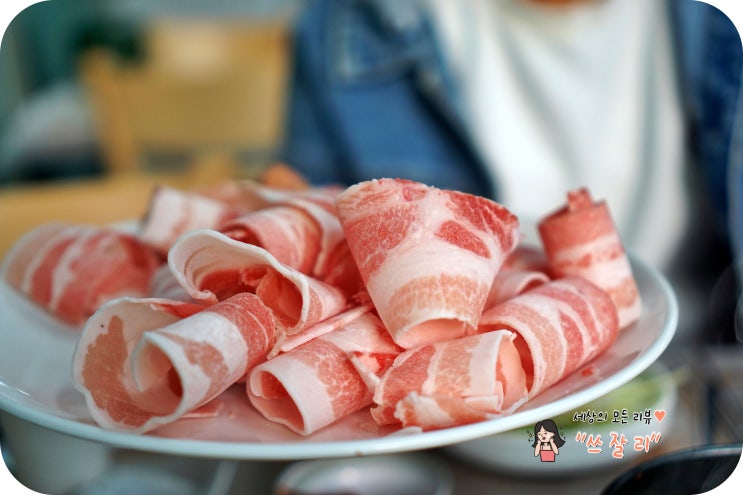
point(547, 440)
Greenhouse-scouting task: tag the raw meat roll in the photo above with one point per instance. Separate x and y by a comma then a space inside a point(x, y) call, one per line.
point(212, 267)
point(70, 270)
point(510, 283)
point(581, 239)
point(164, 285)
point(101, 366)
point(146, 363)
point(325, 379)
point(289, 234)
point(452, 383)
point(172, 213)
point(428, 256)
point(560, 326)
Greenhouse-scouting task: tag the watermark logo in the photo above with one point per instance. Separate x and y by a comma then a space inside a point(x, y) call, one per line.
point(592, 432)
point(547, 440)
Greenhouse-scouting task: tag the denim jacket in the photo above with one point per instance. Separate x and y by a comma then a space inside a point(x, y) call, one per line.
point(371, 97)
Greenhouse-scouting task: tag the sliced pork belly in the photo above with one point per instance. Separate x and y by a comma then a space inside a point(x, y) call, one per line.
point(318, 205)
point(581, 239)
point(173, 212)
point(528, 258)
point(287, 343)
point(452, 383)
point(324, 379)
point(342, 271)
point(145, 363)
point(70, 270)
point(560, 326)
point(164, 285)
point(212, 267)
point(101, 367)
point(428, 256)
point(251, 195)
point(288, 233)
point(510, 283)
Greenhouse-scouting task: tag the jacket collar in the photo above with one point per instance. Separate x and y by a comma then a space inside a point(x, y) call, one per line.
point(377, 40)
point(374, 39)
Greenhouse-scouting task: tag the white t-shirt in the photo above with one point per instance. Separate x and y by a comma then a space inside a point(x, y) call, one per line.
point(586, 95)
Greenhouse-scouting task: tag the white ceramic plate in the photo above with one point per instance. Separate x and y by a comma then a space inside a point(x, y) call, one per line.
point(35, 385)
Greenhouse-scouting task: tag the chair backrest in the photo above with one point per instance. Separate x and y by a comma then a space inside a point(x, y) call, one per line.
point(204, 87)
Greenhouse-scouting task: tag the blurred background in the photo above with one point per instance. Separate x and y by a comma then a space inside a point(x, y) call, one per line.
point(100, 100)
point(121, 94)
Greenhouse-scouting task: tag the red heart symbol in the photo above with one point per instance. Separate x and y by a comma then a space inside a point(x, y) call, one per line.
point(660, 414)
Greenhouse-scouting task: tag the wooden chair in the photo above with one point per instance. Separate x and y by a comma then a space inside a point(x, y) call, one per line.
point(205, 105)
point(203, 88)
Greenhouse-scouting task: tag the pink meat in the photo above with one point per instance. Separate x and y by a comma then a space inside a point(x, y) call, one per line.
point(581, 239)
point(452, 383)
point(70, 270)
point(145, 363)
point(326, 255)
point(101, 366)
point(172, 212)
point(325, 379)
point(560, 326)
point(510, 283)
point(256, 195)
point(212, 267)
point(289, 234)
point(342, 271)
point(527, 257)
point(251, 195)
point(287, 343)
point(427, 256)
point(164, 285)
point(321, 208)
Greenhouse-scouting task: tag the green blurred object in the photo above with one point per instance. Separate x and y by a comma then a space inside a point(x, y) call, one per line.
point(636, 395)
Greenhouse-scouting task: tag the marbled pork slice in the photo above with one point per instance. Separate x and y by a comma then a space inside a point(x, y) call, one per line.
point(560, 326)
point(288, 233)
point(510, 283)
point(581, 239)
point(452, 383)
point(212, 267)
point(324, 379)
point(70, 270)
point(428, 256)
point(101, 365)
point(172, 212)
point(142, 364)
point(320, 207)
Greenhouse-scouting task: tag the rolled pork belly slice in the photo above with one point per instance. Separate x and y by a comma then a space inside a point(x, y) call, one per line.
point(510, 283)
point(251, 195)
point(325, 379)
point(70, 270)
point(320, 207)
point(527, 257)
point(288, 233)
point(560, 326)
point(286, 343)
point(301, 229)
point(145, 363)
point(164, 285)
point(428, 256)
point(172, 212)
point(212, 267)
point(452, 383)
point(581, 239)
